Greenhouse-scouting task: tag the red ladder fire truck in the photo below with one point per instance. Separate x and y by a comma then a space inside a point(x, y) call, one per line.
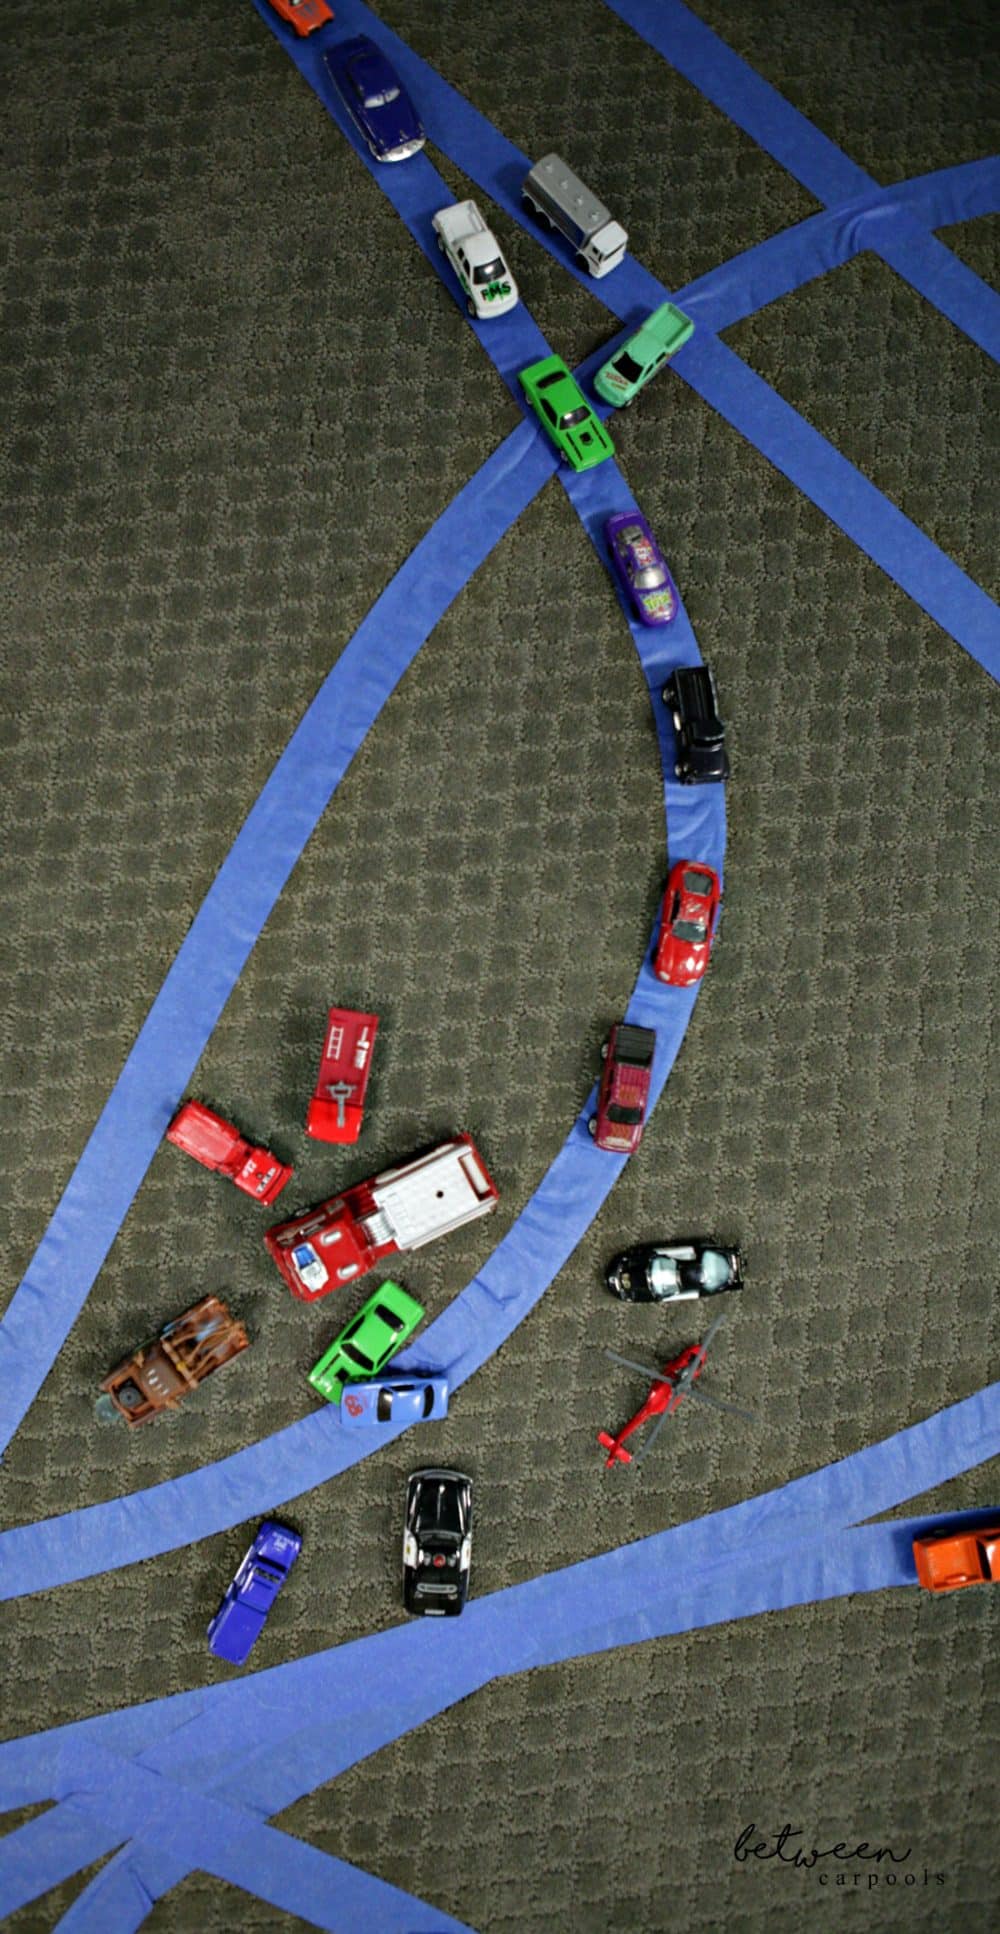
point(336, 1108)
point(402, 1208)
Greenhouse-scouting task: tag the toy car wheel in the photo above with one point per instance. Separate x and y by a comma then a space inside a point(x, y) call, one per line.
point(472, 310)
point(668, 694)
point(592, 1125)
point(604, 1050)
point(440, 244)
point(130, 1396)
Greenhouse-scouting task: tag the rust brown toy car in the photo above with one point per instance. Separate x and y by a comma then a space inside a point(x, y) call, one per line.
point(160, 1374)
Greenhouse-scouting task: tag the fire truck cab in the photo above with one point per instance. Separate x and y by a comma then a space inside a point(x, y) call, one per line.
point(402, 1208)
point(337, 1106)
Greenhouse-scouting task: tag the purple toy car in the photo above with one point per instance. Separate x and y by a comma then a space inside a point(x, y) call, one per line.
point(394, 1400)
point(240, 1618)
point(376, 98)
point(640, 564)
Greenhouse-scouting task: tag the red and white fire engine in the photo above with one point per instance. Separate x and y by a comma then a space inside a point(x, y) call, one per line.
point(400, 1209)
point(200, 1132)
point(336, 1108)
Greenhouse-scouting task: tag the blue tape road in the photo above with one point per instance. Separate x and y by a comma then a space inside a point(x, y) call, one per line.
point(173, 1797)
point(810, 462)
point(891, 229)
point(782, 263)
point(786, 1520)
point(266, 1475)
point(744, 96)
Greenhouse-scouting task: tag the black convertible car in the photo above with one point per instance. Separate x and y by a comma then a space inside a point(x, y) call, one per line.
point(437, 1543)
point(674, 1272)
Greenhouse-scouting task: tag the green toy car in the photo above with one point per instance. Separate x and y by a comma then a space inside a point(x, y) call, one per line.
point(372, 1337)
point(559, 403)
point(630, 368)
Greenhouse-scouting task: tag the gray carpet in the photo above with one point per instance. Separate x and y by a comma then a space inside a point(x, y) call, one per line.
point(236, 398)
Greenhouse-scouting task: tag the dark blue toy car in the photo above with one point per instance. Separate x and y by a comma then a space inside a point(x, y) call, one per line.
point(240, 1618)
point(377, 99)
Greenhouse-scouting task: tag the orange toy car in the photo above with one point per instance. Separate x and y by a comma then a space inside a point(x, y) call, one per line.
point(946, 1563)
point(304, 15)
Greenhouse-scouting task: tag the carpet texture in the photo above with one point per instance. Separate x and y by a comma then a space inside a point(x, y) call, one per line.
point(235, 399)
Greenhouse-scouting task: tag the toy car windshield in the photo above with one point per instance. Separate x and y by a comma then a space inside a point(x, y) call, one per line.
point(632, 1056)
point(358, 1356)
point(489, 271)
point(627, 366)
point(383, 1409)
point(629, 1116)
point(570, 417)
point(712, 1272)
point(693, 930)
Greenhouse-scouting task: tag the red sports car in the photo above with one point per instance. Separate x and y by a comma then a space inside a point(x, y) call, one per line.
point(304, 15)
point(945, 1564)
point(623, 1096)
point(687, 923)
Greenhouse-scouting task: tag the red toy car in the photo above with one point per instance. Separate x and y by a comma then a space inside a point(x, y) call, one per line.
point(218, 1145)
point(402, 1208)
point(945, 1564)
point(687, 923)
point(624, 1090)
point(336, 1108)
point(304, 15)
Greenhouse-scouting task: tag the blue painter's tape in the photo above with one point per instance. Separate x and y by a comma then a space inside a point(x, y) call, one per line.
point(209, 1733)
point(748, 100)
point(179, 1780)
point(882, 220)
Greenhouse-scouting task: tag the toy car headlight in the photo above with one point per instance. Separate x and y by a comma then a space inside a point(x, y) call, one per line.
point(465, 1559)
point(409, 1549)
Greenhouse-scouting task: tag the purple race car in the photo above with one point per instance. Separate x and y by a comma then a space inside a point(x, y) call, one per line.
point(376, 97)
point(392, 1400)
point(240, 1618)
point(640, 564)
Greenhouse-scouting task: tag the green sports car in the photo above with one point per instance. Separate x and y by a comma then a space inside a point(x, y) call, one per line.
point(557, 399)
point(372, 1337)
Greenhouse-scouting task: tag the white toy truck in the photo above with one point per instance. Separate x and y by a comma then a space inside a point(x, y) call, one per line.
point(474, 254)
point(559, 199)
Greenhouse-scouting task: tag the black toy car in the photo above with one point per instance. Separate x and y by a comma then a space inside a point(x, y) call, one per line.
point(701, 737)
point(674, 1272)
point(437, 1543)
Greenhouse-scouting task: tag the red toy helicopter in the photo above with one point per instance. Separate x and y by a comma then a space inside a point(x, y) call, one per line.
point(674, 1381)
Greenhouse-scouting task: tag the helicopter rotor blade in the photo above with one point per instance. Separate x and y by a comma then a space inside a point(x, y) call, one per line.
point(707, 1338)
point(652, 1437)
point(716, 1403)
point(655, 1376)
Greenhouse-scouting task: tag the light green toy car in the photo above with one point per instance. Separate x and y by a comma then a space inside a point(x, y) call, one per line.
point(563, 410)
point(381, 1327)
point(630, 368)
